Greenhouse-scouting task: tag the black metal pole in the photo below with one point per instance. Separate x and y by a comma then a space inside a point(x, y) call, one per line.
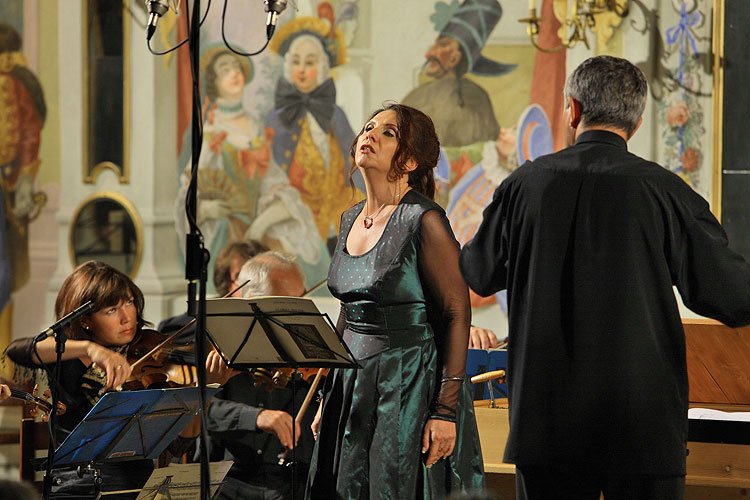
point(196, 258)
point(60, 339)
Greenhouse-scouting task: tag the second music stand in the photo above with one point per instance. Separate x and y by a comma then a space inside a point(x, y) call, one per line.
point(129, 425)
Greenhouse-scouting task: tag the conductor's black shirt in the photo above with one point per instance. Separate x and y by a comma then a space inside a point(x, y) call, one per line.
point(588, 242)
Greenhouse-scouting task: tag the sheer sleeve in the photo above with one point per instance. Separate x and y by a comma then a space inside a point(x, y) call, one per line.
point(448, 297)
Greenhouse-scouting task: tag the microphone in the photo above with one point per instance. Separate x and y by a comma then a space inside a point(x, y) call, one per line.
point(156, 9)
point(274, 8)
point(65, 321)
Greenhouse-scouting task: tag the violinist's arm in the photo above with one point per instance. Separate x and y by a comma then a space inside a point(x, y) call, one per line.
point(235, 419)
point(114, 364)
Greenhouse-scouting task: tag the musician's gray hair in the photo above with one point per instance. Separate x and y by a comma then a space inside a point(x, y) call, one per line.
point(258, 271)
point(612, 92)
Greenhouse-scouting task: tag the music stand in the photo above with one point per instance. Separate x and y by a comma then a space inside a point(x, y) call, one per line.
point(130, 425)
point(275, 332)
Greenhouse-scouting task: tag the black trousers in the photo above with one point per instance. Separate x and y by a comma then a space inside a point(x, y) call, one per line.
point(539, 483)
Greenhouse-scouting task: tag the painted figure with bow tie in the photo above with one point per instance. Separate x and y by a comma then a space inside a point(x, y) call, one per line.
point(312, 134)
point(242, 192)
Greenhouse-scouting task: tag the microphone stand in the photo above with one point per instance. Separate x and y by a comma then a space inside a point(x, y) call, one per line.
point(58, 330)
point(60, 339)
point(196, 256)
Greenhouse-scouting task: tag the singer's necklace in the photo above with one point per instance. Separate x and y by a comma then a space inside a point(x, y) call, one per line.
point(368, 220)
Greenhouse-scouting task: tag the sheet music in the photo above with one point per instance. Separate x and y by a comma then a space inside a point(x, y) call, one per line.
point(298, 328)
point(182, 481)
point(710, 414)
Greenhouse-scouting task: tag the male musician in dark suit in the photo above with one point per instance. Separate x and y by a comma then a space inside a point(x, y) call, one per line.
point(237, 414)
point(589, 242)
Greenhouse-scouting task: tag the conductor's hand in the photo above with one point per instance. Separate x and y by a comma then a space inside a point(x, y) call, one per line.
point(278, 423)
point(481, 338)
point(4, 392)
point(438, 440)
point(217, 372)
point(114, 364)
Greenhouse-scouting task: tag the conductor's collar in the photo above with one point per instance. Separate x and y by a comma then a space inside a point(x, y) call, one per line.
point(602, 136)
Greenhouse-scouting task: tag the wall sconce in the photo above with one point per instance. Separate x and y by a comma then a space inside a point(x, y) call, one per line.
point(582, 14)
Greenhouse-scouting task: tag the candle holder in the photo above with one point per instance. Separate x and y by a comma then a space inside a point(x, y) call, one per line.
point(582, 15)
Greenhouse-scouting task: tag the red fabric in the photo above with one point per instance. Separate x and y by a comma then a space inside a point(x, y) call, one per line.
point(549, 74)
point(184, 81)
point(30, 126)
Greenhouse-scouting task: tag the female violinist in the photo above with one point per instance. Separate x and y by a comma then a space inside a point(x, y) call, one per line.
point(95, 361)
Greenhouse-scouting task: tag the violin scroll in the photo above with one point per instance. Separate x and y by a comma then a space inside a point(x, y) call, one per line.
point(37, 404)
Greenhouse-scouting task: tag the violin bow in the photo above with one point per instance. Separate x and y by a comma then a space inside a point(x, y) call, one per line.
point(303, 408)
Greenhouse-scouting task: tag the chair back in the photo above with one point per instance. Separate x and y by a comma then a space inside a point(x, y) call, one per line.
point(34, 436)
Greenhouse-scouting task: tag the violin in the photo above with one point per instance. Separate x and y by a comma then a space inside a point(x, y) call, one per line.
point(281, 376)
point(37, 404)
point(157, 362)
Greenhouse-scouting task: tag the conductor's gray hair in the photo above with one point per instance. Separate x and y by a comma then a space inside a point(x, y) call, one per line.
point(258, 271)
point(612, 92)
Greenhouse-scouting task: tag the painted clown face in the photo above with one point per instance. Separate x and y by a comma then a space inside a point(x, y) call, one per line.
point(305, 58)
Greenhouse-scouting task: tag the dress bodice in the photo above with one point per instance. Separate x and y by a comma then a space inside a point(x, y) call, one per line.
point(380, 291)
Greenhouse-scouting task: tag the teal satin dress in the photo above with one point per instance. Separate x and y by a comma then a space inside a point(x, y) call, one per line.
point(370, 438)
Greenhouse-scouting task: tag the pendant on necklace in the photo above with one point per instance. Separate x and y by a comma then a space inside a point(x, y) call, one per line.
point(367, 222)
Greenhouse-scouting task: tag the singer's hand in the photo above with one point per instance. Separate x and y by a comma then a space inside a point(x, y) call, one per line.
point(438, 440)
point(114, 364)
point(278, 423)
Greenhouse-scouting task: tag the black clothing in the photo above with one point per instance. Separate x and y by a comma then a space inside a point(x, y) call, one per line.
point(533, 483)
point(588, 242)
point(231, 418)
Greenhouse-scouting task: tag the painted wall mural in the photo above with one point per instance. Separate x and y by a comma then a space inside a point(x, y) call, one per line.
point(496, 101)
point(22, 115)
point(680, 76)
point(285, 102)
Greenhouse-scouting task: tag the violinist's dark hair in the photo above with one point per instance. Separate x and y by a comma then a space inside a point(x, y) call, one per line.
point(417, 140)
point(102, 284)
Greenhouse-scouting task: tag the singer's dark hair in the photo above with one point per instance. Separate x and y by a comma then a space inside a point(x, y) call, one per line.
point(103, 285)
